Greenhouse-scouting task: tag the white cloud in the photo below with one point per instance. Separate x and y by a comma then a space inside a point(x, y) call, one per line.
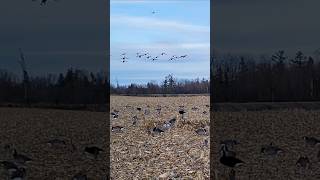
point(154, 23)
point(163, 46)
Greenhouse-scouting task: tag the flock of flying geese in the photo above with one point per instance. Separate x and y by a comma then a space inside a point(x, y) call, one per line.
point(16, 168)
point(160, 128)
point(228, 157)
point(147, 56)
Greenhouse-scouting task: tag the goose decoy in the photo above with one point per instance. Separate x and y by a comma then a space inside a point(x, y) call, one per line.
point(93, 151)
point(271, 150)
point(165, 126)
point(182, 112)
point(139, 109)
point(20, 158)
point(80, 176)
point(202, 132)
point(134, 120)
point(172, 121)
point(229, 143)
point(227, 152)
point(311, 141)
point(194, 108)
point(230, 161)
point(114, 115)
point(146, 112)
point(19, 174)
point(157, 130)
point(158, 110)
point(56, 142)
point(303, 162)
point(9, 166)
point(206, 143)
point(117, 129)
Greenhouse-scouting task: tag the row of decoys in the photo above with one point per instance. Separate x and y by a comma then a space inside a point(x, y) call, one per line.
point(17, 168)
point(162, 128)
point(229, 158)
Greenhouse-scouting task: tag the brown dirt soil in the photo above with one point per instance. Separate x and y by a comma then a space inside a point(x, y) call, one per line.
point(177, 153)
point(27, 130)
point(285, 129)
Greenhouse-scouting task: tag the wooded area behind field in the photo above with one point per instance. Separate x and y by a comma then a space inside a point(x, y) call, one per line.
point(74, 87)
point(274, 78)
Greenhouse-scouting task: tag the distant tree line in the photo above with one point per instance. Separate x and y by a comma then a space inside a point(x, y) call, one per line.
point(169, 85)
point(244, 78)
point(74, 87)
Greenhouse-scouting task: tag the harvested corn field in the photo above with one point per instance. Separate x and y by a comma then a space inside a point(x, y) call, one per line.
point(270, 142)
point(159, 137)
point(55, 141)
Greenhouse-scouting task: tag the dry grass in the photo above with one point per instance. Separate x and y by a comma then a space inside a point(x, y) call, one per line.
point(28, 129)
point(284, 128)
point(179, 152)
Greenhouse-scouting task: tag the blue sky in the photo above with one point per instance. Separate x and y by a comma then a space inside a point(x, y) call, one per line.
point(177, 28)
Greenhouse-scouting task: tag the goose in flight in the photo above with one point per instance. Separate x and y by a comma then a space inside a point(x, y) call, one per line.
point(173, 57)
point(123, 59)
point(43, 2)
point(155, 58)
